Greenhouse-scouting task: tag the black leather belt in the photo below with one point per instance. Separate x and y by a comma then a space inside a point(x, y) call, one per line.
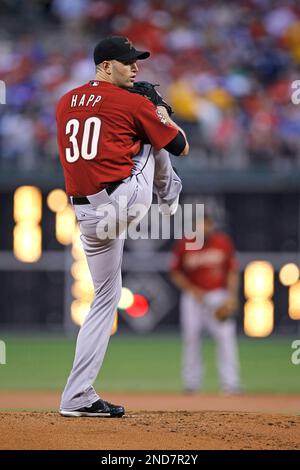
point(80, 200)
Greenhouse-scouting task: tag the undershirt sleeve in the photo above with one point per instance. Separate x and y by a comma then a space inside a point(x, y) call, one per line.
point(176, 146)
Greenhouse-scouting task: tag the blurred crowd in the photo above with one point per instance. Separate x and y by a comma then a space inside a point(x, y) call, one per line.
point(225, 66)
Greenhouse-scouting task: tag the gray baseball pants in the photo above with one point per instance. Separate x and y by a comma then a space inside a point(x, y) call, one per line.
point(198, 318)
point(104, 256)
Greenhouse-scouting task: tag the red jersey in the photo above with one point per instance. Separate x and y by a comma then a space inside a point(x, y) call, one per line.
point(100, 128)
point(209, 266)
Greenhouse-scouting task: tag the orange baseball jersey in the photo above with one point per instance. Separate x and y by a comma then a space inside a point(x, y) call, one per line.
point(209, 266)
point(100, 128)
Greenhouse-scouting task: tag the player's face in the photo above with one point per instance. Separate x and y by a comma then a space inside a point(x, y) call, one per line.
point(123, 73)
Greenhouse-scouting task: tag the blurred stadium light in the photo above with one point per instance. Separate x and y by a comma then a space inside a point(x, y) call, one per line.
point(80, 270)
point(127, 298)
point(28, 204)
point(259, 317)
point(65, 222)
point(79, 311)
point(27, 235)
point(65, 225)
point(259, 280)
point(82, 286)
point(77, 249)
point(57, 200)
point(289, 274)
point(115, 324)
point(259, 309)
point(139, 308)
point(294, 301)
point(83, 291)
point(27, 242)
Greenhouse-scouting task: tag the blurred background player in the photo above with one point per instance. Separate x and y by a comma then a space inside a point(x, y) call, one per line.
point(209, 280)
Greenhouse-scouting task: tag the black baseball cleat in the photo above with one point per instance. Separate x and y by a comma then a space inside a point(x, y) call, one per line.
point(99, 408)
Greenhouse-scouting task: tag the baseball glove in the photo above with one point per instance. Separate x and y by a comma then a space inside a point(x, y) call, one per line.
point(227, 309)
point(148, 90)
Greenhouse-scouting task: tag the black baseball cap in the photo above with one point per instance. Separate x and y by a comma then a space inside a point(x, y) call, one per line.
point(117, 48)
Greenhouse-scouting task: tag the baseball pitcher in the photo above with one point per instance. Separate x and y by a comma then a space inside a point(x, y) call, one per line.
point(114, 136)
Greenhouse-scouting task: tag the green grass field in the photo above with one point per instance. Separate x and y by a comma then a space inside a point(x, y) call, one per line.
point(144, 363)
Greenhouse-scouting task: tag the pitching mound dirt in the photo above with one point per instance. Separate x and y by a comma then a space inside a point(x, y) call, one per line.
point(206, 422)
point(150, 430)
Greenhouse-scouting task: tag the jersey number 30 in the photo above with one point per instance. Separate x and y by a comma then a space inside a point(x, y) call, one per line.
point(90, 139)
